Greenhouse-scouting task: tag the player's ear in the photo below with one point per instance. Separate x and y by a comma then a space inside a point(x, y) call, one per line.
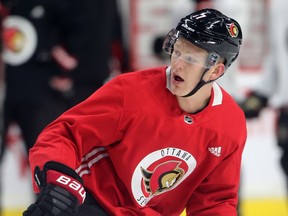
point(217, 71)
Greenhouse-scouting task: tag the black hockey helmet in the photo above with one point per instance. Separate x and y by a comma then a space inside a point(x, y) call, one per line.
point(210, 30)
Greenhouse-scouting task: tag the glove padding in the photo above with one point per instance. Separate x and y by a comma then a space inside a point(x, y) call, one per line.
point(282, 128)
point(61, 191)
point(253, 105)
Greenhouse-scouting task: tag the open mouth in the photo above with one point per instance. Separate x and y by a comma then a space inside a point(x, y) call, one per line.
point(178, 78)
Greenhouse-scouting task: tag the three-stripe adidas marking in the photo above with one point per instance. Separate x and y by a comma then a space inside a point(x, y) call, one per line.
point(215, 151)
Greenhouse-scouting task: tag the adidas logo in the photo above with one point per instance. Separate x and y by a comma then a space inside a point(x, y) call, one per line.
point(215, 151)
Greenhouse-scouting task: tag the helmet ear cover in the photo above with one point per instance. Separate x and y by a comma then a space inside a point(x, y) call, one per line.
point(212, 59)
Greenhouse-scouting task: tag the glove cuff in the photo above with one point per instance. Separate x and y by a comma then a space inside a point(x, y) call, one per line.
point(63, 176)
point(67, 182)
point(52, 165)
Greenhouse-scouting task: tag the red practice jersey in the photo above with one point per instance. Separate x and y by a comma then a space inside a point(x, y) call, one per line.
point(140, 154)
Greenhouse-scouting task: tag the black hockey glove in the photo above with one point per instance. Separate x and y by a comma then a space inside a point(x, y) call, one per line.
point(282, 128)
point(254, 104)
point(61, 191)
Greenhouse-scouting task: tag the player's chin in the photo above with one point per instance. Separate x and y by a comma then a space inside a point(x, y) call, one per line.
point(177, 91)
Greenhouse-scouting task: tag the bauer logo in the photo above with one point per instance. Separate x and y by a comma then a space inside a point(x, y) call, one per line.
point(160, 172)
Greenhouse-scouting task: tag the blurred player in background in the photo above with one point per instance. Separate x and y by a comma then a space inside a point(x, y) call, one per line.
point(56, 53)
point(55, 57)
point(273, 89)
point(151, 142)
point(2, 16)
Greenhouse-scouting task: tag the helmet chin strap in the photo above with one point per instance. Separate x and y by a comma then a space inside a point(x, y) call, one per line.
point(199, 85)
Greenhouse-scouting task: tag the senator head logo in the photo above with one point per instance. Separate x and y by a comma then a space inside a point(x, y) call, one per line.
point(160, 172)
point(163, 177)
point(233, 30)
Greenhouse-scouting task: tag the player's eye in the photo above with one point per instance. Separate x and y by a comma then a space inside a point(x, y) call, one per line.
point(190, 59)
point(176, 54)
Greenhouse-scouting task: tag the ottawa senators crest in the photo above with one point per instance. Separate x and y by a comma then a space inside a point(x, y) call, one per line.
point(233, 30)
point(160, 172)
point(19, 40)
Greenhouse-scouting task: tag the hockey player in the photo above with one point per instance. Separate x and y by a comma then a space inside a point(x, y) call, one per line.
point(54, 58)
point(151, 142)
point(272, 91)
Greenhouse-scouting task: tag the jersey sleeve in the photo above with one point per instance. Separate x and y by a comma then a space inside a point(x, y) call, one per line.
point(90, 124)
point(217, 195)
